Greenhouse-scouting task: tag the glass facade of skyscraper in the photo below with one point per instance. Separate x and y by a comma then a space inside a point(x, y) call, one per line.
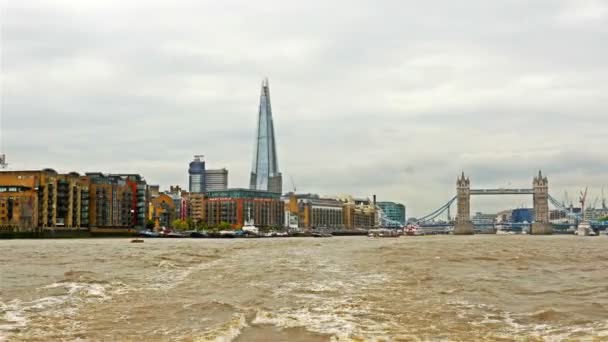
point(265, 173)
point(393, 211)
point(196, 173)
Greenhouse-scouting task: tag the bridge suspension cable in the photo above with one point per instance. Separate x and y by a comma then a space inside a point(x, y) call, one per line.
point(437, 212)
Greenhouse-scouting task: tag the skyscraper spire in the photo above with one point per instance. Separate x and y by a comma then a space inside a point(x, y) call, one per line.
point(265, 173)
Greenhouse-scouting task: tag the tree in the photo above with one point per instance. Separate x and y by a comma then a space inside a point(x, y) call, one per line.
point(604, 219)
point(179, 224)
point(149, 224)
point(224, 226)
point(201, 225)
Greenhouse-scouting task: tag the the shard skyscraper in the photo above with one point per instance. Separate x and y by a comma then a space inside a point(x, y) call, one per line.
point(265, 173)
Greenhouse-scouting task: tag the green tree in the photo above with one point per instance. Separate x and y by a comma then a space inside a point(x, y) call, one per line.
point(149, 224)
point(201, 225)
point(224, 226)
point(179, 224)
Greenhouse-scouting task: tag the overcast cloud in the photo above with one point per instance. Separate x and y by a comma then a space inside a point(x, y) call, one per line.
point(393, 98)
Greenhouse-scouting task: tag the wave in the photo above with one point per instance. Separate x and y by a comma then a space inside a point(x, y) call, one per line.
point(60, 302)
point(226, 332)
point(548, 315)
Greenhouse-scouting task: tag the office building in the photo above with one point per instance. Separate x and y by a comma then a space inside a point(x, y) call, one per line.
point(216, 180)
point(313, 211)
point(394, 212)
point(265, 173)
point(196, 172)
point(234, 205)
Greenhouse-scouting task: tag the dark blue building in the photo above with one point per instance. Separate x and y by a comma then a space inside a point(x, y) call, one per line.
point(196, 171)
point(523, 214)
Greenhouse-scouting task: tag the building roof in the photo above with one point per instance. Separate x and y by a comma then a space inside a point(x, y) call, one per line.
point(243, 193)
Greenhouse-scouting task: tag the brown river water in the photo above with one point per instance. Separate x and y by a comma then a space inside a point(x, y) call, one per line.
point(437, 288)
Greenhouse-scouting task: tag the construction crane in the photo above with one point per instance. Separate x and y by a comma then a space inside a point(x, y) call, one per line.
point(293, 185)
point(603, 200)
point(594, 203)
point(567, 201)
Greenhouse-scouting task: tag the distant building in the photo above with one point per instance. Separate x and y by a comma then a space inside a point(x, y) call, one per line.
point(153, 191)
point(139, 188)
point(483, 219)
point(179, 201)
point(113, 201)
point(34, 200)
point(233, 206)
point(265, 173)
point(196, 172)
point(359, 213)
point(196, 207)
point(162, 211)
point(31, 200)
point(313, 211)
point(521, 215)
point(216, 180)
point(393, 211)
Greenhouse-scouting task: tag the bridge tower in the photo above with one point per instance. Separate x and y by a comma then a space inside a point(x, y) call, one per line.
point(463, 225)
point(541, 225)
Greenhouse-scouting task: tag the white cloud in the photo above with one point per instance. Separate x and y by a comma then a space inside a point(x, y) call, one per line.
point(392, 97)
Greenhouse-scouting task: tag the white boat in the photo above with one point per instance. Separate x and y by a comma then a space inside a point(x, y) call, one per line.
point(383, 232)
point(249, 226)
point(413, 230)
point(584, 229)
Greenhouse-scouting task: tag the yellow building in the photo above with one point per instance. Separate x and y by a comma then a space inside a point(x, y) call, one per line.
point(35, 200)
point(39, 199)
point(162, 211)
point(358, 213)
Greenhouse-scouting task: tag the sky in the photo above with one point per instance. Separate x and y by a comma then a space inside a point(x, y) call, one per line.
point(388, 97)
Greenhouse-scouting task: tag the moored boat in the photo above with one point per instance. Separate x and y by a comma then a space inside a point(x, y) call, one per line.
point(413, 230)
point(148, 234)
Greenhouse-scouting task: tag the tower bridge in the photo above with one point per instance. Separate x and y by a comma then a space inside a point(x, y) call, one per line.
point(463, 224)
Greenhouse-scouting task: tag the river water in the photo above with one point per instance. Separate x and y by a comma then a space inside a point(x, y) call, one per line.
point(448, 288)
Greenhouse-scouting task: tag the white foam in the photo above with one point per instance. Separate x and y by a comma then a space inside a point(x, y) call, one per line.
point(226, 332)
point(319, 309)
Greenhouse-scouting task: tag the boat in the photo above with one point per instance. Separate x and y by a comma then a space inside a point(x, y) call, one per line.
point(249, 226)
point(137, 241)
point(383, 232)
point(413, 230)
point(584, 229)
point(167, 233)
point(318, 235)
point(148, 234)
point(227, 233)
point(196, 234)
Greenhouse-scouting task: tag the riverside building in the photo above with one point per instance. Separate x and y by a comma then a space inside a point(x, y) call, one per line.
point(234, 205)
point(39, 199)
point(393, 211)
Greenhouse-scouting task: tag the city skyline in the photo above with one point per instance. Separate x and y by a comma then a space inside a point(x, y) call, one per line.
point(392, 100)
